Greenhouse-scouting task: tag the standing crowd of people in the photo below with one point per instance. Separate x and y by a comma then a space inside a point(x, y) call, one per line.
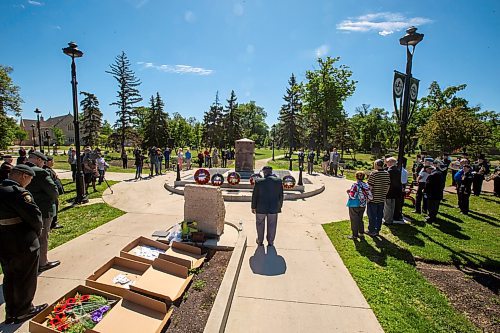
point(29, 193)
point(384, 193)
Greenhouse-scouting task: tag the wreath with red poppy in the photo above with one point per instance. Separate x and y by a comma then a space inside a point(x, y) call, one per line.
point(202, 176)
point(288, 182)
point(217, 179)
point(254, 177)
point(233, 178)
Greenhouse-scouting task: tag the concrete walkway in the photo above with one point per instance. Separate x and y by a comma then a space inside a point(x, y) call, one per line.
point(299, 286)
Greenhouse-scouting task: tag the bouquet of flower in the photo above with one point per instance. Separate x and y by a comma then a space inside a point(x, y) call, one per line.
point(79, 313)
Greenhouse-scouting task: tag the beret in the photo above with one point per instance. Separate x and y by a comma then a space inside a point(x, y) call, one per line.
point(24, 169)
point(39, 155)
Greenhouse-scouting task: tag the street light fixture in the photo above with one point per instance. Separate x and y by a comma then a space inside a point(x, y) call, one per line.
point(412, 38)
point(73, 52)
point(40, 146)
point(33, 135)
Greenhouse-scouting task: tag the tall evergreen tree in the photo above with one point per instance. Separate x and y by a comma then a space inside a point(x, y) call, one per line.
point(156, 124)
point(213, 124)
point(91, 120)
point(232, 122)
point(290, 117)
point(128, 95)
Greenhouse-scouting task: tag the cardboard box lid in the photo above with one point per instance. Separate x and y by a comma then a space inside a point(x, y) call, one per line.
point(37, 323)
point(163, 279)
point(103, 277)
point(184, 254)
point(135, 314)
point(128, 250)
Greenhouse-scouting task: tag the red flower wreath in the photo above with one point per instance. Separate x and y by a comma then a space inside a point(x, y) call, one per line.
point(233, 178)
point(202, 176)
point(288, 182)
point(254, 177)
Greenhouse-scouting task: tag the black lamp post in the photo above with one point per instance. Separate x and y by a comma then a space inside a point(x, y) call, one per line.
point(33, 135)
point(412, 38)
point(273, 133)
point(40, 146)
point(73, 52)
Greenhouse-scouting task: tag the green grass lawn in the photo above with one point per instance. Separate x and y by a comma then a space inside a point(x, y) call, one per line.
point(384, 268)
point(78, 220)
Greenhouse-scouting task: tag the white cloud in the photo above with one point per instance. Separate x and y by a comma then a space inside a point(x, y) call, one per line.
point(35, 3)
point(384, 23)
point(322, 50)
point(250, 49)
point(178, 69)
point(141, 3)
point(57, 27)
point(238, 9)
point(189, 16)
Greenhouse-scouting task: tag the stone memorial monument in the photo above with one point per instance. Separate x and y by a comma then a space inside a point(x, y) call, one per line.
point(244, 157)
point(205, 205)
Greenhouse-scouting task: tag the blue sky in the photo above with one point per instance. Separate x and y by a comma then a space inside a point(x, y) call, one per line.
point(189, 49)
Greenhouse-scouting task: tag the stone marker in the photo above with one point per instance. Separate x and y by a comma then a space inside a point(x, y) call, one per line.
point(244, 157)
point(205, 205)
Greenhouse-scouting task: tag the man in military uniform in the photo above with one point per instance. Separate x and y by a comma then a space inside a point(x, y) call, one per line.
point(20, 226)
point(45, 195)
point(267, 200)
point(60, 189)
point(6, 167)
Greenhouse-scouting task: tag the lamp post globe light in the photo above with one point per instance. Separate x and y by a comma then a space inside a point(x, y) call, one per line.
point(412, 38)
point(33, 135)
point(72, 51)
point(38, 112)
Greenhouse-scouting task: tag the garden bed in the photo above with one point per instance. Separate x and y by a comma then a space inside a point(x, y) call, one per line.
point(191, 312)
point(472, 292)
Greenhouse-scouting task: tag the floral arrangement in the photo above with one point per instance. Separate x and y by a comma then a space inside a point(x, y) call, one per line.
point(217, 179)
point(79, 313)
point(202, 176)
point(253, 177)
point(233, 178)
point(288, 182)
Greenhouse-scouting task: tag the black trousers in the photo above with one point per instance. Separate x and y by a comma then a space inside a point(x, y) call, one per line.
point(19, 281)
point(453, 182)
point(477, 184)
point(433, 208)
point(73, 171)
point(463, 201)
point(419, 206)
point(124, 163)
point(398, 208)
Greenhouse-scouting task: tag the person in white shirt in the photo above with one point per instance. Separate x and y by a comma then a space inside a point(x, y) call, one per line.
point(101, 168)
point(421, 201)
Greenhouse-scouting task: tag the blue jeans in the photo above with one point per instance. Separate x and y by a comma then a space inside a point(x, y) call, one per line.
point(375, 213)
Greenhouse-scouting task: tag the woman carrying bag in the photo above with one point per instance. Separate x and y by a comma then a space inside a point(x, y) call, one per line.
point(359, 195)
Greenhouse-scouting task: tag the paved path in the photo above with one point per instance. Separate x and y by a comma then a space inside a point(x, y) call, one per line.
point(300, 286)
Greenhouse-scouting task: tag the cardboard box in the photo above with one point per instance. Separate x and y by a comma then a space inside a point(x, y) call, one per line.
point(131, 313)
point(103, 277)
point(179, 253)
point(128, 251)
point(164, 280)
point(184, 255)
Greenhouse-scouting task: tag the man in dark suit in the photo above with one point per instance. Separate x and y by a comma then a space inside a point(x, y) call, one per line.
point(267, 200)
point(433, 191)
point(20, 226)
point(45, 195)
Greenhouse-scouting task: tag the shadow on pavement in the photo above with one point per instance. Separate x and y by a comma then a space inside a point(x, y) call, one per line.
point(270, 263)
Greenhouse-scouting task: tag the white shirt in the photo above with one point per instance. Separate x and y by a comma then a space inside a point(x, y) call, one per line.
point(404, 176)
point(423, 176)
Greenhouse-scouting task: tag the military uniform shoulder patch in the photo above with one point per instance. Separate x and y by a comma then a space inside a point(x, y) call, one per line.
point(27, 197)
